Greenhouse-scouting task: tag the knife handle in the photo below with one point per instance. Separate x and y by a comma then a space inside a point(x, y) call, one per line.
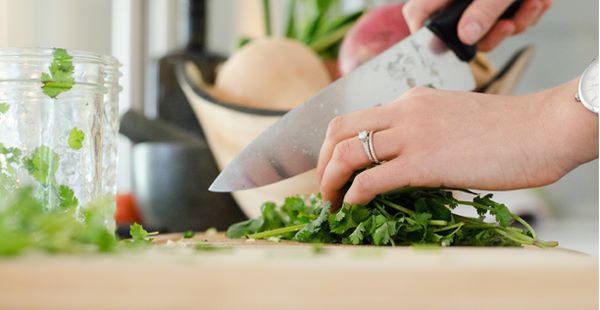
point(444, 25)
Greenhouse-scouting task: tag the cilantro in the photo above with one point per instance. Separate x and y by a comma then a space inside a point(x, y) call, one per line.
point(188, 234)
point(60, 79)
point(76, 138)
point(4, 107)
point(139, 235)
point(67, 197)
point(357, 236)
point(42, 165)
point(27, 224)
point(407, 216)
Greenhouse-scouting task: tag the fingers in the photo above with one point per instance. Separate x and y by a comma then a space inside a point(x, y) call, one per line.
point(529, 12)
point(499, 32)
point(546, 4)
point(346, 127)
point(350, 156)
point(380, 179)
point(416, 12)
point(479, 18)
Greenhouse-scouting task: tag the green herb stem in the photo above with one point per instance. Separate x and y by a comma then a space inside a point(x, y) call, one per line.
point(450, 227)
point(276, 232)
point(397, 207)
point(437, 222)
point(474, 204)
point(525, 224)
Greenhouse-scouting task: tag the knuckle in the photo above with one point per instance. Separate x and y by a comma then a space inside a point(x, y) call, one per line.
point(335, 126)
point(341, 153)
point(363, 183)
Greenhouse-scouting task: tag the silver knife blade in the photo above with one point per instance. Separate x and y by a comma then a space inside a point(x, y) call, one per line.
point(291, 146)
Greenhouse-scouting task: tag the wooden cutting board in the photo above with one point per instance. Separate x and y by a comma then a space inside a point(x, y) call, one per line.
point(266, 275)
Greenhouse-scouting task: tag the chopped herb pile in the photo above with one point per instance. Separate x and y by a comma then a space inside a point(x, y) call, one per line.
point(27, 224)
point(60, 79)
point(406, 216)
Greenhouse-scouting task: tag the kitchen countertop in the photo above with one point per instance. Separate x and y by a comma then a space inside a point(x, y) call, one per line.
point(236, 274)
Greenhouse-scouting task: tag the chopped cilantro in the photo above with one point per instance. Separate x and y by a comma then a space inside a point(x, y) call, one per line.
point(139, 234)
point(42, 164)
point(27, 224)
point(188, 234)
point(76, 138)
point(4, 107)
point(60, 79)
point(67, 197)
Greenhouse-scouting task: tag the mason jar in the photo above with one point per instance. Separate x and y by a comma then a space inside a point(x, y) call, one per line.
point(59, 126)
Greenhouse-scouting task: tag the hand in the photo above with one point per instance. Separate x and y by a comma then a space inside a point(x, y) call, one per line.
point(436, 138)
point(479, 24)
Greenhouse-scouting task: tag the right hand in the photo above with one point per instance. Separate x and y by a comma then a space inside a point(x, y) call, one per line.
point(479, 24)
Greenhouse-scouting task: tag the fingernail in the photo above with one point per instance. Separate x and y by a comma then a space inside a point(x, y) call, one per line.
point(471, 32)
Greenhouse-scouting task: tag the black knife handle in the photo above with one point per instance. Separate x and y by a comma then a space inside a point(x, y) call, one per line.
point(444, 25)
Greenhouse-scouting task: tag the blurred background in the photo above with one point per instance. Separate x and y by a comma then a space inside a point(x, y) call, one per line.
point(148, 37)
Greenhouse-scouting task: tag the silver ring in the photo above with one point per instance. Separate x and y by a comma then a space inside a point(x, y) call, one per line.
point(366, 138)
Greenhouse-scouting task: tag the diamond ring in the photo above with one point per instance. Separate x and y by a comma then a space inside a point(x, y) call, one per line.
point(366, 138)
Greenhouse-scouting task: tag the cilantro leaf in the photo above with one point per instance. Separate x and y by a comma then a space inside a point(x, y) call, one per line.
point(138, 233)
point(356, 237)
point(188, 234)
point(76, 138)
point(384, 233)
point(241, 229)
point(42, 164)
point(311, 231)
point(4, 107)
point(67, 197)
point(60, 79)
point(499, 210)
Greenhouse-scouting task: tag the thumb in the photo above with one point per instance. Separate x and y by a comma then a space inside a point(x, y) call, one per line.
point(479, 18)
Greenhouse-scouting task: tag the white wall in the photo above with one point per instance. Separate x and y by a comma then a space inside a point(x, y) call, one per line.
point(73, 24)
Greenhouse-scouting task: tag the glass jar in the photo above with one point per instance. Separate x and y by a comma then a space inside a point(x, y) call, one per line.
point(59, 126)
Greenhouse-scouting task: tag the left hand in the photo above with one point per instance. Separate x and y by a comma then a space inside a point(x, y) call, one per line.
point(436, 138)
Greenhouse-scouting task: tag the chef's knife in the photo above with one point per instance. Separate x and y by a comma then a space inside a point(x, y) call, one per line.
point(433, 56)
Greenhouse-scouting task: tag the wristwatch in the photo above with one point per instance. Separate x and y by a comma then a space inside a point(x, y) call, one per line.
point(587, 91)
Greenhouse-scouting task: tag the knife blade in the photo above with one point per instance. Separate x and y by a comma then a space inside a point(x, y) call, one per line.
point(433, 56)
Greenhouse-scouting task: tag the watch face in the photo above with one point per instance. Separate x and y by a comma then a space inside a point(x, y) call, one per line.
point(588, 87)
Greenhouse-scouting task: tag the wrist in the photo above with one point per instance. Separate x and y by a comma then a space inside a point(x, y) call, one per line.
point(573, 130)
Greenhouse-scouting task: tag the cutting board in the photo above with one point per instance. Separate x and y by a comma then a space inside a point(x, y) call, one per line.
point(241, 274)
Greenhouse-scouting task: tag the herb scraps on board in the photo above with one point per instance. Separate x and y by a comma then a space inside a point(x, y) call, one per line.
point(407, 216)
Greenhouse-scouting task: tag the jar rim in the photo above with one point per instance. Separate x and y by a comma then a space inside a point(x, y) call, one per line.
point(43, 52)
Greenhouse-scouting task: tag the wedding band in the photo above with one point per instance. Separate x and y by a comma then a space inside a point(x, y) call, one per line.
point(374, 158)
point(366, 138)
